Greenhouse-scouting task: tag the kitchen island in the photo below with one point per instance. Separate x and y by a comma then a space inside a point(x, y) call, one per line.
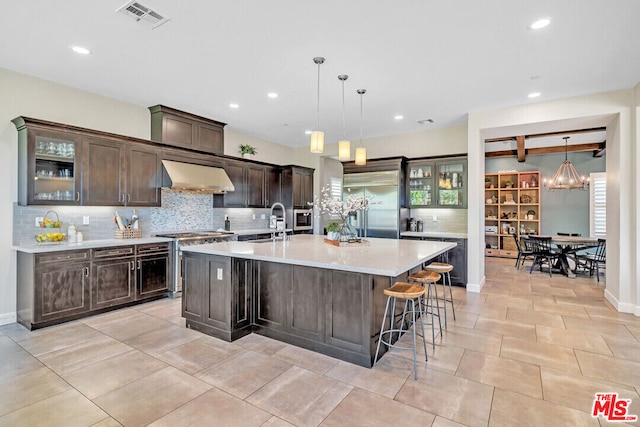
point(302, 291)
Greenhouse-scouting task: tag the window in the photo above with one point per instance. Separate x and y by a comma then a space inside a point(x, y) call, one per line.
point(598, 204)
point(336, 187)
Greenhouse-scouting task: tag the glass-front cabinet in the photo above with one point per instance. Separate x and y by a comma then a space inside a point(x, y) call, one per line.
point(439, 183)
point(49, 165)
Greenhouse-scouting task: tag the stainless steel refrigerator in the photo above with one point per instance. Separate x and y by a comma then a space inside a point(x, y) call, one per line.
point(385, 214)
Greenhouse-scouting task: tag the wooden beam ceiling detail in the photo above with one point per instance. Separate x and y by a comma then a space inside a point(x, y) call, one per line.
point(521, 152)
point(598, 149)
point(543, 135)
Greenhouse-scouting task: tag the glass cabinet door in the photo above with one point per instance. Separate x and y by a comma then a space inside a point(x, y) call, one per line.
point(421, 184)
point(451, 182)
point(55, 168)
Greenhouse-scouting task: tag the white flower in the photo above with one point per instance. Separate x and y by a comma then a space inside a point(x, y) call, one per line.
point(334, 206)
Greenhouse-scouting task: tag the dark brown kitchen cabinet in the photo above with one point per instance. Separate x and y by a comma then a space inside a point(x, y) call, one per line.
point(67, 165)
point(52, 287)
point(48, 165)
point(273, 186)
point(55, 287)
point(181, 129)
point(113, 275)
point(103, 172)
point(120, 174)
point(249, 182)
point(297, 186)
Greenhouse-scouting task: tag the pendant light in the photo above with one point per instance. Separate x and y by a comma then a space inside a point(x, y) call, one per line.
point(361, 151)
point(566, 177)
point(317, 136)
point(344, 146)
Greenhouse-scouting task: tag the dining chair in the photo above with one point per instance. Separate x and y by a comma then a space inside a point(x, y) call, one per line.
point(542, 252)
point(595, 260)
point(524, 253)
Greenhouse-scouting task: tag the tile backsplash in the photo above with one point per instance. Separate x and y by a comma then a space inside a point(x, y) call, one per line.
point(448, 220)
point(180, 211)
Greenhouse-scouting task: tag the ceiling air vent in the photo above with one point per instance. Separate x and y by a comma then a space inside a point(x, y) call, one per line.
point(141, 13)
point(425, 121)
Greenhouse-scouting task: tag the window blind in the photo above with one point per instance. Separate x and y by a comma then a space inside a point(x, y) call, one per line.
point(598, 204)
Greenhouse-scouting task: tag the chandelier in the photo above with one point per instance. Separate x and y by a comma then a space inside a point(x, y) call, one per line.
point(566, 177)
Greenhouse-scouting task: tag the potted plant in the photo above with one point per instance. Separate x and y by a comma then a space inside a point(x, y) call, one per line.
point(508, 183)
point(531, 214)
point(333, 230)
point(487, 182)
point(246, 149)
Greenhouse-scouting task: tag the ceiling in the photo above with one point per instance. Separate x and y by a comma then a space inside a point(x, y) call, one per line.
point(422, 59)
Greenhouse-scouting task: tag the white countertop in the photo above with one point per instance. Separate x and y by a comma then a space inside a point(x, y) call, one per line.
point(87, 244)
point(436, 234)
point(259, 231)
point(385, 257)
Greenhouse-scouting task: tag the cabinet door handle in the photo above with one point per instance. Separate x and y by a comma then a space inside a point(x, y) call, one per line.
point(86, 272)
point(128, 198)
point(138, 265)
point(133, 265)
point(77, 196)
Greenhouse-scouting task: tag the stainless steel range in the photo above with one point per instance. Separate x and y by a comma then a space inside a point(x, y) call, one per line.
point(191, 238)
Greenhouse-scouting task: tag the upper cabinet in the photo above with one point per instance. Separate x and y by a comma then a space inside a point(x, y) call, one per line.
point(297, 187)
point(175, 127)
point(250, 182)
point(437, 183)
point(67, 165)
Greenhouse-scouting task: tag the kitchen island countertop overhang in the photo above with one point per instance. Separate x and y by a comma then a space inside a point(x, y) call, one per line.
point(384, 257)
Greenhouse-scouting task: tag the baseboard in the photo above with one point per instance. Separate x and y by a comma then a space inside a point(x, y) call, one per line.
point(476, 287)
point(7, 318)
point(621, 307)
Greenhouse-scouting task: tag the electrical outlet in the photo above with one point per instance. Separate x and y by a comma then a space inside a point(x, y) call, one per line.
point(263, 216)
point(85, 220)
point(435, 218)
point(254, 216)
point(39, 219)
point(219, 274)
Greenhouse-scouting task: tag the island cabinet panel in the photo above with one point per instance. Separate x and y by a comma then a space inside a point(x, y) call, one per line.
point(305, 304)
point(241, 287)
point(272, 281)
point(217, 299)
point(348, 309)
point(195, 273)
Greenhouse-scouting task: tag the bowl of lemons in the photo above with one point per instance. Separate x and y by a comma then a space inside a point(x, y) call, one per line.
point(54, 237)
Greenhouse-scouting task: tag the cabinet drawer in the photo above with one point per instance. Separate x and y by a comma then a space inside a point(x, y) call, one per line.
point(510, 254)
point(66, 256)
point(492, 252)
point(153, 248)
point(113, 251)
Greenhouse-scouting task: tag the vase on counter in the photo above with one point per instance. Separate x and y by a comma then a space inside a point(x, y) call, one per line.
point(347, 232)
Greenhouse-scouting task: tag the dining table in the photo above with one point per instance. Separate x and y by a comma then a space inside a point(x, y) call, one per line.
point(569, 245)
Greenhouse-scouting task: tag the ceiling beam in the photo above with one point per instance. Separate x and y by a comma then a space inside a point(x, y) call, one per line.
point(522, 155)
point(543, 135)
point(596, 147)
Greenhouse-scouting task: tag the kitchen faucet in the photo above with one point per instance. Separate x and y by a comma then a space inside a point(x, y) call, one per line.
point(283, 232)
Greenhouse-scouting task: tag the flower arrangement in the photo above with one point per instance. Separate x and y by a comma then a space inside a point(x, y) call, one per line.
point(328, 204)
point(335, 207)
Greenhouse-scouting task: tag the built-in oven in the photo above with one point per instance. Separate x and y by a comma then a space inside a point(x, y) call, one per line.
point(302, 219)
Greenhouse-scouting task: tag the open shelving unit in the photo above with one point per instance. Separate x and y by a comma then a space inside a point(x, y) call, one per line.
point(512, 205)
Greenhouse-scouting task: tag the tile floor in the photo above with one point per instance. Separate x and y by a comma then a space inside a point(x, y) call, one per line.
point(528, 350)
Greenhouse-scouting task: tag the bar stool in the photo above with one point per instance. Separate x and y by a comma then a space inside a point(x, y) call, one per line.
point(409, 293)
point(444, 269)
point(428, 280)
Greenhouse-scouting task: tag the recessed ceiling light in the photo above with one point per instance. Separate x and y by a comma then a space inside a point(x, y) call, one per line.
point(234, 106)
point(540, 23)
point(534, 94)
point(308, 132)
point(398, 117)
point(272, 95)
point(81, 50)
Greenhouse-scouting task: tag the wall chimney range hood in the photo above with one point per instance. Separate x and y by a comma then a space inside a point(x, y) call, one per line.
point(187, 176)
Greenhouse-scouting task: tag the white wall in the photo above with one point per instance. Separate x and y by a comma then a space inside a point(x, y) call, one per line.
point(614, 110)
